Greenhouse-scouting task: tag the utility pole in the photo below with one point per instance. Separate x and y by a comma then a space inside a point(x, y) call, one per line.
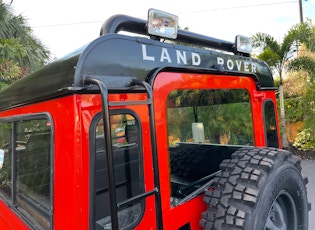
point(301, 11)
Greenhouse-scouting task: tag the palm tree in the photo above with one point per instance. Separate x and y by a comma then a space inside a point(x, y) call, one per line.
point(305, 33)
point(20, 51)
point(281, 57)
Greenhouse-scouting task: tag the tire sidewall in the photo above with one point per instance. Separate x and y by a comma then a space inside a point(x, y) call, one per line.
point(283, 178)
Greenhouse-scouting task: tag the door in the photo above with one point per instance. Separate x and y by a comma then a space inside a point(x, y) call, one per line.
point(131, 152)
point(200, 120)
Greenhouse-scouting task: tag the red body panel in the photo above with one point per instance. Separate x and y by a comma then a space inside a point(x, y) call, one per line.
point(9, 220)
point(71, 120)
point(173, 218)
point(71, 164)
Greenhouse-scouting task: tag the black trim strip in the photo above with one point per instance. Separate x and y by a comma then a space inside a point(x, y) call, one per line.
point(13, 162)
point(137, 198)
point(120, 103)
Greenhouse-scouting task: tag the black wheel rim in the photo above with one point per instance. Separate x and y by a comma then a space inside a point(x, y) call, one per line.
point(282, 214)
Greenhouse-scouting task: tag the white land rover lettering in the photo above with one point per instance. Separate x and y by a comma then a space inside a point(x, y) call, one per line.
point(240, 65)
point(182, 57)
point(164, 56)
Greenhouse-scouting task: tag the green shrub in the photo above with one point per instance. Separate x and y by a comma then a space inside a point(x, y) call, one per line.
point(305, 140)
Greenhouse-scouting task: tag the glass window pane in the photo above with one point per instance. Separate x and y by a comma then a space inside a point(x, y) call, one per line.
point(6, 158)
point(210, 116)
point(271, 126)
point(128, 171)
point(33, 169)
point(204, 128)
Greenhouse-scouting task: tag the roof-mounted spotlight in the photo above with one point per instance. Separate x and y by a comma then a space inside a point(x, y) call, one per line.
point(162, 24)
point(243, 44)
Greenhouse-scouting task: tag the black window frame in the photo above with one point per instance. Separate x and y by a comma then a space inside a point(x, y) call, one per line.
point(11, 201)
point(92, 150)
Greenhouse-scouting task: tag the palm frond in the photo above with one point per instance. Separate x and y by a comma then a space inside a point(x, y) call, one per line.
point(263, 41)
point(304, 63)
point(15, 27)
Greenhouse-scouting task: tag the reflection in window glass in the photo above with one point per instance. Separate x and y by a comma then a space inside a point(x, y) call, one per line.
point(33, 175)
point(210, 116)
point(128, 171)
point(31, 160)
point(204, 128)
point(270, 125)
point(6, 156)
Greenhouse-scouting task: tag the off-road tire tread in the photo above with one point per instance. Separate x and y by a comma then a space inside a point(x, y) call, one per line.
point(236, 188)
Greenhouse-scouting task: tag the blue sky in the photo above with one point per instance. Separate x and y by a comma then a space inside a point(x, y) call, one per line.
point(65, 25)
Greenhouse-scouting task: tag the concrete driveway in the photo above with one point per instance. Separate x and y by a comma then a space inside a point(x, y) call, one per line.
point(308, 170)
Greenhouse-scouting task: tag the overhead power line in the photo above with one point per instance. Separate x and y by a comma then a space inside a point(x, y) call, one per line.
point(241, 7)
point(67, 24)
point(189, 12)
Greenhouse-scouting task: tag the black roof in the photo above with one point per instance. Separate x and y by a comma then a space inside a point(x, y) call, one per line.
point(117, 59)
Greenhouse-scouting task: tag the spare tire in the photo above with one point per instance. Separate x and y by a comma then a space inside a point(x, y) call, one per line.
point(258, 188)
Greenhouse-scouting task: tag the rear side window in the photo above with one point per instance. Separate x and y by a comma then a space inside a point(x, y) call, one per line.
point(6, 159)
point(127, 167)
point(271, 132)
point(25, 167)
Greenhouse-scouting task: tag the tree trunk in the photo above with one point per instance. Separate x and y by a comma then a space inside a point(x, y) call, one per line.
point(284, 138)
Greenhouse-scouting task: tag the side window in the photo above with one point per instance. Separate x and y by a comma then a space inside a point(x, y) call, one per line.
point(29, 154)
point(271, 131)
point(5, 159)
point(128, 171)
